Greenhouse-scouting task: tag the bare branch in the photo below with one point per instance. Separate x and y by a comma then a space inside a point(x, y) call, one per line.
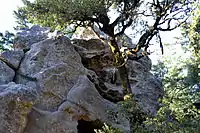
point(124, 28)
point(169, 28)
point(161, 45)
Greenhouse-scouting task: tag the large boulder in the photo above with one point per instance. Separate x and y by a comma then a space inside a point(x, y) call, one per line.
point(16, 103)
point(95, 53)
point(147, 89)
point(56, 66)
point(25, 37)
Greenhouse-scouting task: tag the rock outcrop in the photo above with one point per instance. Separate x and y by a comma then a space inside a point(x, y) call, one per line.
point(60, 87)
point(96, 55)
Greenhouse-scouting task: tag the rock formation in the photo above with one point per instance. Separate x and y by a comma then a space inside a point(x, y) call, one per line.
point(60, 87)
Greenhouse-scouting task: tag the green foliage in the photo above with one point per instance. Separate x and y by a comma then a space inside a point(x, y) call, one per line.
point(61, 13)
point(107, 129)
point(178, 113)
point(194, 31)
point(21, 19)
point(133, 113)
point(6, 39)
point(181, 75)
point(181, 78)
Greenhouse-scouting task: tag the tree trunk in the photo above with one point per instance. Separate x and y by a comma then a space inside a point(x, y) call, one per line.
point(125, 80)
point(119, 60)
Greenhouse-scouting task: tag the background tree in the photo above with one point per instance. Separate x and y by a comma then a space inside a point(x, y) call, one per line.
point(6, 40)
point(181, 110)
point(167, 15)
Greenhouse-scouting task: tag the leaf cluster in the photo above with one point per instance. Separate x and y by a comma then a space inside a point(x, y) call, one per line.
point(107, 129)
point(6, 39)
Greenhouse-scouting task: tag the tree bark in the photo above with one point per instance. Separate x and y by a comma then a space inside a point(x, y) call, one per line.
point(125, 80)
point(119, 60)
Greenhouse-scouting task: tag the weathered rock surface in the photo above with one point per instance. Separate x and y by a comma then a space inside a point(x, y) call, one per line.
point(16, 102)
point(84, 102)
point(146, 87)
point(13, 57)
point(27, 36)
point(50, 122)
point(30, 36)
point(6, 73)
point(56, 66)
point(94, 53)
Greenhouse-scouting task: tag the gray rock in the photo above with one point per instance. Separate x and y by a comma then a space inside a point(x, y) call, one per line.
point(90, 48)
point(142, 65)
point(6, 73)
point(125, 41)
point(147, 90)
point(95, 53)
point(89, 33)
point(56, 65)
point(16, 102)
point(29, 36)
point(84, 102)
point(50, 122)
point(13, 57)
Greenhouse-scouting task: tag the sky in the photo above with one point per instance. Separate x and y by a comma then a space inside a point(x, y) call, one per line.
point(6, 12)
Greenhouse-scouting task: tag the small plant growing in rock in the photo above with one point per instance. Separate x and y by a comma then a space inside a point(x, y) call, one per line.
point(107, 129)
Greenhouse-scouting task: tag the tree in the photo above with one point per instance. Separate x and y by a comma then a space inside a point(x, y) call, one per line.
point(182, 85)
point(6, 39)
point(166, 16)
